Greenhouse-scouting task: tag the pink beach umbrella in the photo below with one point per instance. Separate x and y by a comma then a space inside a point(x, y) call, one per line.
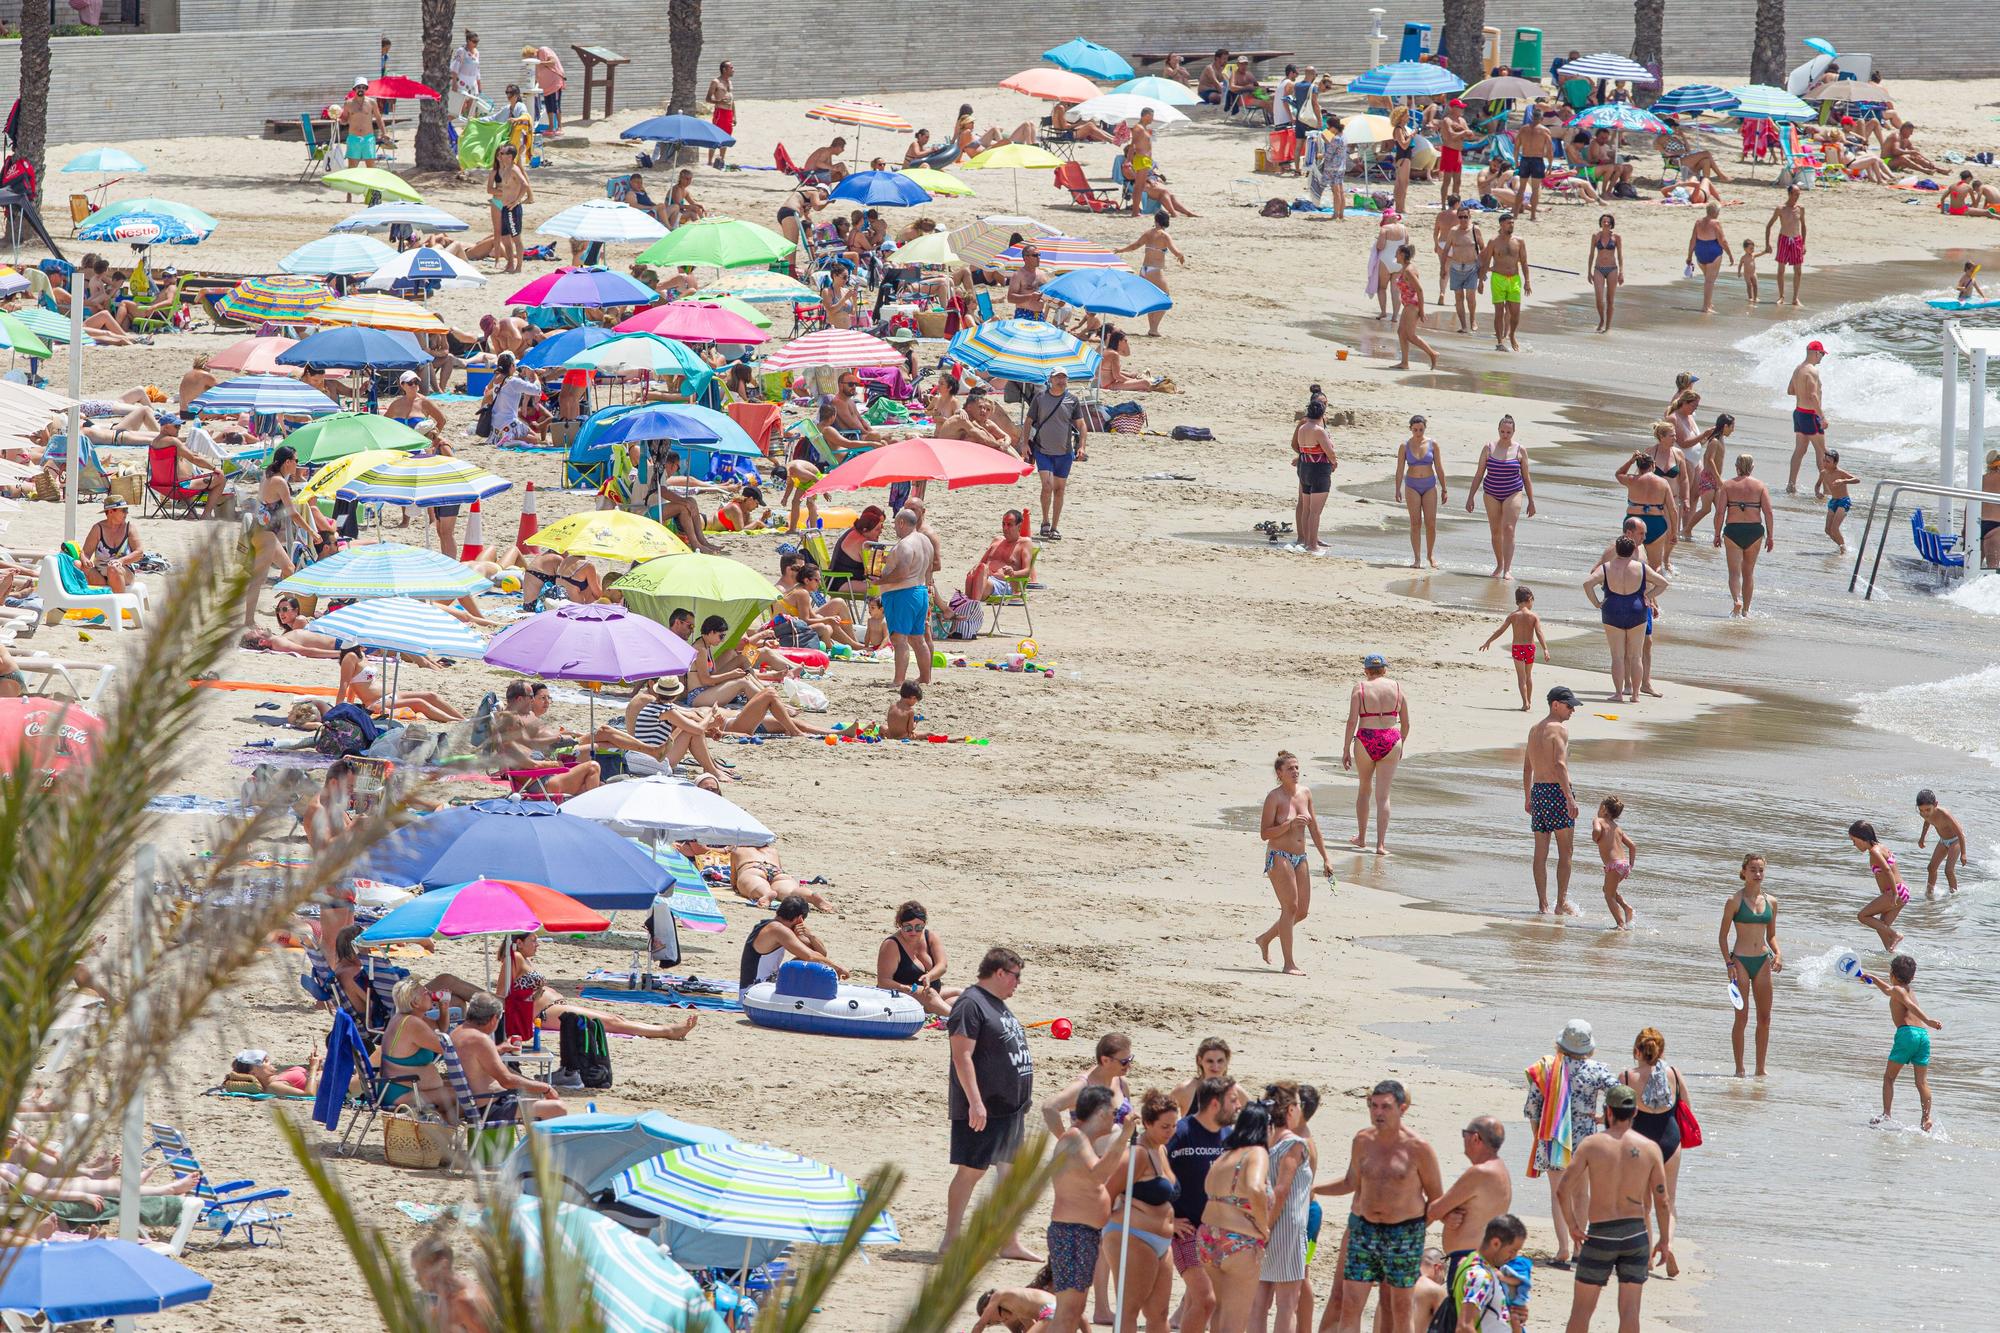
point(254, 356)
point(693, 322)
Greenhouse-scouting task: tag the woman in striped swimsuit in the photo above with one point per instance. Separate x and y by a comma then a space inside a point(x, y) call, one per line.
point(1502, 477)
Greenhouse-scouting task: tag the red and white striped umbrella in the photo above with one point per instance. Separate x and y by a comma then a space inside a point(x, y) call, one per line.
point(852, 111)
point(837, 348)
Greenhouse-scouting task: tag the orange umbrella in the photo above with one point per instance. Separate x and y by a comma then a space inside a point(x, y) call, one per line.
point(1051, 85)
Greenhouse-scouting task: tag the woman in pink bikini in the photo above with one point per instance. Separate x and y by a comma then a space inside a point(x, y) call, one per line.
point(1378, 717)
point(1891, 895)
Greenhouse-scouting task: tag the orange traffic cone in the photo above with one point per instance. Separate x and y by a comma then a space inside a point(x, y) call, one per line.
point(474, 545)
point(529, 524)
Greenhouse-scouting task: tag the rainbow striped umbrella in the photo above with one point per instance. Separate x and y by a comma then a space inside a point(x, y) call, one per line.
point(752, 1190)
point(1027, 351)
point(854, 111)
point(981, 242)
point(1061, 254)
point(378, 312)
point(690, 901)
point(278, 299)
point(386, 569)
point(838, 348)
point(637, 1288)
point(424, 482)
point(485, 907)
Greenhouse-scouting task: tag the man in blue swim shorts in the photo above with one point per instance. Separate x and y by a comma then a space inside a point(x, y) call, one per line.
point(906, 597)
point(1808, 414)
point(1548, 798)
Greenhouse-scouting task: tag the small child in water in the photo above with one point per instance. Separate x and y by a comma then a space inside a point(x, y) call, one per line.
point(1968, 282)
point(1950, 835)
point(1527, 628)
point(901, 723)
point(1618, 852)
point(1834, 481)
point(1912, 1046)
point(1747, 266)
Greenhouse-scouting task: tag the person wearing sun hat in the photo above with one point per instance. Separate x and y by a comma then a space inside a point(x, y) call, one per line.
point(1564, 1090)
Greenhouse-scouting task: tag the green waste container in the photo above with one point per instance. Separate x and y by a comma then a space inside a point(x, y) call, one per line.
point(1527, 58)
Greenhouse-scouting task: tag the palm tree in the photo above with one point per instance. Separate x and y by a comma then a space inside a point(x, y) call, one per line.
point(433, 143)
point(684, 32)
point(1767, 44)
point(31, 140)
point(1649, 21)
point(1465, 37)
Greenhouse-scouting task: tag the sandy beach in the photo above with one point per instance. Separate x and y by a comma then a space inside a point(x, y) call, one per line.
point(1108, 831)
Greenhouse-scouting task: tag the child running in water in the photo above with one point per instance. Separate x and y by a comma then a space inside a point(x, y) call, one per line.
point(1747, 266)
point(1950, 835)
point(1891, 894)
point(1912, 1046)
point(1835, 480)
point(1527, 628)
point(1619, 853)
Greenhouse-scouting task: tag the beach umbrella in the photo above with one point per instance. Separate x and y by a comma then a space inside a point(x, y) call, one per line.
point(678, 129)
point(341, 253)
point(142, 229)
point(88, 1281)
point(642, 353)
point(1693, 98)
point(861, 114)
point(276, 299)
point(378, 312)
point(11, 281)
point(957, 463)
point(667, 809)
point(1026, 351)
point(1089, 59)
point(743, 310)
point(424, 482)
point(704, 584)
point(252, 356)
point(1170, 91)
point(354, 347)
point(423, 264)
point(381, 217)
point(1367, 129)
point(1504, 88)
point(484, 907)
point(692, 905)
point(532, 841)
point(372, 180)
point(840, 349)
point(558, 348)
point(880, 189)
point(692, 322)
point(937, 182)
point(1050, 85)
point(403, 625)
point(656, 422)
point(188, 213)
point(1606, 65)
point(981, 242)
point(637, 1288)
point(104, 161)
point(1622, 116)
point(396, 87)
point(750, 1189)
point(1060, 254)
point(589, 1148)
point(1114, 107)
point(610, 534)
point(333, 476)
point(54, 734)
point(584, 287)
point(931, 248)
point(718, 243)
point(601, 643)
point(730, 437)
point(1016, 157)
point(386, 569)
point(20, 338)
point(604, 220)
point(760, 287)
point(1851, 90)
point(264, 395)
point(1759, 101)
point(49, 326)
point(1108, 292)
point(1406, 78)
point(347, 433)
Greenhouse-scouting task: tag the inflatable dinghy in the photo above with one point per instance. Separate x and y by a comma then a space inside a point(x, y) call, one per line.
point(808, 997)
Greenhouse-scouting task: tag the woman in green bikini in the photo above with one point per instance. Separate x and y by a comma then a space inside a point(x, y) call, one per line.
point(1744, 520)
point(1751, 964)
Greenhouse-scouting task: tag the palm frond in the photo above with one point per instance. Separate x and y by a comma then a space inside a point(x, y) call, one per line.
point(989, 1227)
point(809, 1286)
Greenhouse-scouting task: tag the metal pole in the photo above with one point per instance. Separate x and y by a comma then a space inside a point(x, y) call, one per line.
point(1125, 1230)
point(75, 467)
point(1975, 421)
point(1948, 416)
point(135, 1110)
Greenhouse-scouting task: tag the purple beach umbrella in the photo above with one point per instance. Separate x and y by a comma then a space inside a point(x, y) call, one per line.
point(592, 643)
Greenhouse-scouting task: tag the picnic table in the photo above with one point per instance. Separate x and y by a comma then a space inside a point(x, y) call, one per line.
point(1206, 53)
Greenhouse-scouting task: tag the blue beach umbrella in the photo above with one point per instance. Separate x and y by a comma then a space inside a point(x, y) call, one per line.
point(424, 264)
point(636, 1287)
point(1760, 101)
point(658, 422)
point(142, 228)
point(678, 129)
point(386, 569)
point(1619, 116)
point(404, 625)
point(730, 437)
point(750, 1190)
point(104, 161)
point(90, 1280)
point(532, 841)
point(1089, 59)
point(880, 189)
point(342, 253)
point(1108, 292)
point(264, 395)
point(1692, 98)
point(188, 213)
point(559, 348)
point(1170, 91)
point(355, 346)
point(1027, 351)
point(1406, 78)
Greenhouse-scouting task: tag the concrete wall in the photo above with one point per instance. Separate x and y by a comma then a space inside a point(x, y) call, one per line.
point(235, 62)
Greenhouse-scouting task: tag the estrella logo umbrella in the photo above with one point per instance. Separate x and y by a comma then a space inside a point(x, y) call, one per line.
point(423, 264)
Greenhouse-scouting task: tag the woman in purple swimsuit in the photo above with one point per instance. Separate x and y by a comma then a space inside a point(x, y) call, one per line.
point(1378, 717)
point(1502, 477)
point(1420, 486)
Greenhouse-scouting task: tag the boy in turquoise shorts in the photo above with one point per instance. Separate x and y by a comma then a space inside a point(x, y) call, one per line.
point(1912, 1045)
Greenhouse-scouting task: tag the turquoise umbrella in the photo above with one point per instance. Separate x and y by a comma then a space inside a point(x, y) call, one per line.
point(1089, 59)
point(386, 569)
point(638, 1289)
point(1027, 351)
point(104, 161)
point(1760, 101)
point(188, 213)
point(690, 901)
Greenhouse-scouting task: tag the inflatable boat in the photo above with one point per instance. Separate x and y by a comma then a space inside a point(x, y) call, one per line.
point(808, 997)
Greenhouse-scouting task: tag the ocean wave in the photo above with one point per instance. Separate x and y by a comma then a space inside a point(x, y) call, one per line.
point(1961, 713)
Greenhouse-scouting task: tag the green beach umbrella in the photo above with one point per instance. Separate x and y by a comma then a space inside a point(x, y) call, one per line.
point(47, 325)
point(708, 585)
point(372, 180)
point(15, 334)
point(718, 243)
point(638, 1289)
point(346, 433)
point(752, 1190)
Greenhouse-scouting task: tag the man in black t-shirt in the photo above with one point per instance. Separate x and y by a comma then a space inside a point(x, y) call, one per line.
point(1196, 1143)
point(991, 1085)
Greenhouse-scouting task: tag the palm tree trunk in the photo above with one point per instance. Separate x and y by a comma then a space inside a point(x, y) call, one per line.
point(1767, 45)
point(1649, 21)
point(31, 140)
point(433, 143)
point(1465, 37)
point(684, 32)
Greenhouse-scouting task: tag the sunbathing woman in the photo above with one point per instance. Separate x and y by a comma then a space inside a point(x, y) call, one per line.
point(529, 1002)
point(757, 873)
point(1111, 374)
point(577, 578)
point(410, 1052)
point(357, 686)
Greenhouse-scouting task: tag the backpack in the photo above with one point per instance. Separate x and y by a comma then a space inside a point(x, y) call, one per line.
point(585, 1050)
point(665, 935)
point(345, 730)
point(1193, 433)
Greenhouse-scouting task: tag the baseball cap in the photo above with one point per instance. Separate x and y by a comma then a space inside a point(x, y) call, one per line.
point(1563, 694)
point(1815, 346)
point(1456, 102)
point(1620, 1098)
point(407, 377)
point(1375, 661)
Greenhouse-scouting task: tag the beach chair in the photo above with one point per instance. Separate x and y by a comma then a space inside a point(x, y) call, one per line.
point(79, 211)
point(227, 1205)
point(1069, 176)
point(375, 1085)
point(490, 1120)
point(826, 454)
point(1936, 548)
point(982, 301)
point(318, 155)
point(55, 674)
point(1016, 595)
point(167, 496)
point(63, 589)
point(854, 591)
point(783, 161)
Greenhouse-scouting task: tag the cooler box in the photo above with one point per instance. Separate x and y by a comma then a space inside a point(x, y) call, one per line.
point(477, 378)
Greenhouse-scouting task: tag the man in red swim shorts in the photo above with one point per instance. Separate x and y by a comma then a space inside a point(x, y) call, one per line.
point(1790, 220)
point(1452, 134)
point(722, 96)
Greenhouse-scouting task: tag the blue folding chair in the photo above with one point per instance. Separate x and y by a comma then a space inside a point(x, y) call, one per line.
point(227, 1205)
point(1937, 548)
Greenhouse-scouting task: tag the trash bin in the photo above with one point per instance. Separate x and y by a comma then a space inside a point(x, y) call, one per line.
point(1527, 58)
point(1415, 41)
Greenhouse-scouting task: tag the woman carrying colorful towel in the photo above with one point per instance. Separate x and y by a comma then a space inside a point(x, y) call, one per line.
point(1564, 1090)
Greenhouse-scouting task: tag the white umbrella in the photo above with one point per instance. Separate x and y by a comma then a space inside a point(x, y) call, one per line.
point(666, 807)
point(398, 270)
point(603, 220)
point(1606, 65)
point(1114, 107)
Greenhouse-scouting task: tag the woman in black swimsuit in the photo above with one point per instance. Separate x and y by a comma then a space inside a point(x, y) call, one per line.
point(1144, 1250)
point(850, 553)
point(1743, 518)
point(912, 960)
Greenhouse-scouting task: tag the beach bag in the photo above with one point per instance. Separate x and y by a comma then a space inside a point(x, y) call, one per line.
point(1193, 433)
point(482, 425)
point(802, 695)
point(418, 1145)
point(665, 947)
point(345, 730)
point(966, 616)
point(1684, 1117)
point(1128, 423)
point(585, 1050)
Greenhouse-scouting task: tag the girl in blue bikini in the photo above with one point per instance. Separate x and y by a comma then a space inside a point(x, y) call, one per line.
point(1753, 914)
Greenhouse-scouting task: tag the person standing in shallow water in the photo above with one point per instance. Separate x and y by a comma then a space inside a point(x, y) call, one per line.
point(1755, 959)
point(1378, 720)
point(1288, 817)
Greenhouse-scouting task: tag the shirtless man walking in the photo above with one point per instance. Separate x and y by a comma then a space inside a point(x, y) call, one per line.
point(1394, 1177)
point(362, 119)
point(1156, 246)
point(1808, 416)
point(1546, 795)
point(1623, 1175)
point(1504, 265)
point(1462, 247)
point(1534, 145)
point(1480, 1194)
point(1790, 220)
point(1452, 133)
point(722, 100)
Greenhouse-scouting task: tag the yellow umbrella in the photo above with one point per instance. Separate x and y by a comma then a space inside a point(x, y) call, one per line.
point(378, 312)
point(335, 475)
point(611, 534)
point(934, 248)
point(1017, 156)
point(372, 180)
point(1367, 129)
point(937, 182)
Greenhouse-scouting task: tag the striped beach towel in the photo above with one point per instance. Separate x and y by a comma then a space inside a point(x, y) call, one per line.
point(1549, 1077)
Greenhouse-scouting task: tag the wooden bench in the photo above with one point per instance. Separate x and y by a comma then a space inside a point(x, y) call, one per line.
point(1207, 53)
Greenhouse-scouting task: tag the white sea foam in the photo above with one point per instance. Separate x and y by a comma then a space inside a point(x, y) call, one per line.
point(1961, 713)
point(1822, 972)
point(1981, 595)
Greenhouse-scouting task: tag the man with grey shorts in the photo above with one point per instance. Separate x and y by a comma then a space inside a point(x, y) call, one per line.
point(1462, 244)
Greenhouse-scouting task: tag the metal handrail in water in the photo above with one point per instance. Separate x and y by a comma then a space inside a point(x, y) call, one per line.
point(1896, 491)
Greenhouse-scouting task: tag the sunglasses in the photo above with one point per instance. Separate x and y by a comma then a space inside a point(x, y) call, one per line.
point(912, 927)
